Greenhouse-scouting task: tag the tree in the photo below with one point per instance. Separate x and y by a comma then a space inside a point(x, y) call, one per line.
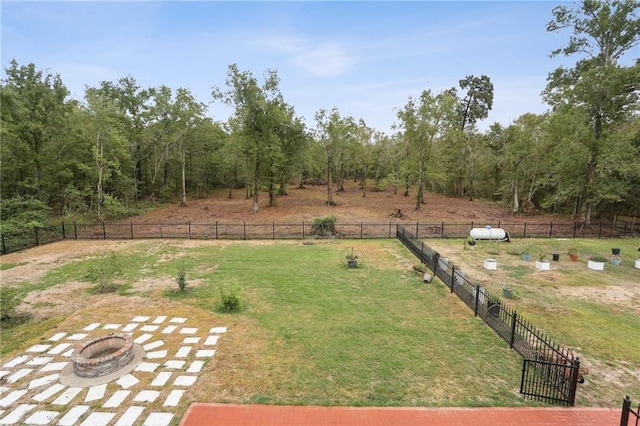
point(422, 122)
point(476, 102)
point(333, 132)
point(260, 114)
point(33, 113)
point(109, 144)
point(462, 148)
point(606, 92)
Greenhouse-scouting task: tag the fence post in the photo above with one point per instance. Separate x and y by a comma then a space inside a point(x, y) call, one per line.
point(104, 232)
point(550, 229)
point(600, 230)
point(514, 318)
point(4, 247)
point(244, 229)
point(64, 234)
point(360, 229)
point(417, 230)
point(303, 229)
point(75, 229)
point(189, 229)
point(453, 276)
point(132, 230)
point(524, 233)
point(35, 231)
point(436, 257)
point(274, 230)
point(441, 229)
point(475, 306)
point(626, 407)
point(574, 381)
point(575, 229)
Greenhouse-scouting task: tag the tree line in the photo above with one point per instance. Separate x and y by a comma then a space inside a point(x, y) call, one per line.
point(124, 146)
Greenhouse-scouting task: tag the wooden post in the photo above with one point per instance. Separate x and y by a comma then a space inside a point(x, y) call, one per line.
point(104, 232)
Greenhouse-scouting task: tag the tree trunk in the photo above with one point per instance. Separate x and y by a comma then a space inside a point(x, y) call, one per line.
point(100, 164)
point(330, 201)
point(256, 188)
point(516, 199)
point(586, 208)
point(184, 180)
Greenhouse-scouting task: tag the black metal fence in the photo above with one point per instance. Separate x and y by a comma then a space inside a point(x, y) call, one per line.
point(628, 413)
point(550, 372)
point(250, 231)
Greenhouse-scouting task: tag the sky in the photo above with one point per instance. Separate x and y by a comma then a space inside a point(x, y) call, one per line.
point(365, 58)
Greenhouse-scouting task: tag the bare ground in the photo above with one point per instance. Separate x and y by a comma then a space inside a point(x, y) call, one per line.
point(310, 202)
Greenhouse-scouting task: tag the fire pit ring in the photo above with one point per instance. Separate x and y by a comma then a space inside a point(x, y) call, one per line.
point(102, 355)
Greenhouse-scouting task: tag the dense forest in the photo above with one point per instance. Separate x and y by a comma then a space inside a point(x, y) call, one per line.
point(123, 146)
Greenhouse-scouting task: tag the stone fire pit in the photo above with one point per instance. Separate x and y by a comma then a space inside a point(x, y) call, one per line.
point(102, 355)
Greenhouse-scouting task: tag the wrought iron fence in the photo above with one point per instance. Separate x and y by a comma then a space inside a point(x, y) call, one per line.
point(12, 242)
point(541, 353)
point(628, 413)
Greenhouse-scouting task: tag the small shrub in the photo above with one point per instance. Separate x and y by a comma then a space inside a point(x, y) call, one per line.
point(324, 225)
point(10, 299)
point(104, 271)
point(230, 299)
point(181, 279)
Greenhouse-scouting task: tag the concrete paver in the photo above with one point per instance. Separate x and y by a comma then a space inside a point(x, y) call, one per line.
point(130, 416)
point(72, 416)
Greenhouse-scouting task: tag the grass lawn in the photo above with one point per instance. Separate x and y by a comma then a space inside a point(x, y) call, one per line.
point(596, 313)
point(311, 332)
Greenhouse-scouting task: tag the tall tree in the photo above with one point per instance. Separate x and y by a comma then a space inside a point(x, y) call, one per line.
point(260, 115)
point(333, 132)
point(34, 111)
point(422, 122)
point(105, 128)
point(606, 91)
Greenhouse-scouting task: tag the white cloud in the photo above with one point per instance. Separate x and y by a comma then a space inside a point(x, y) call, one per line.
point(327, 59)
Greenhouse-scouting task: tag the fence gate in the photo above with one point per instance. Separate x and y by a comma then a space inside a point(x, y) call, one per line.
point(550, 382)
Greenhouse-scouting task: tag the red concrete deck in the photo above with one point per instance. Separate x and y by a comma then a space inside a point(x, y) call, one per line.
point(271, 415)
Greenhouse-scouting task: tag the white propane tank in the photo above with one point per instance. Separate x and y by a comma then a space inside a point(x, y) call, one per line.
point(489, 233)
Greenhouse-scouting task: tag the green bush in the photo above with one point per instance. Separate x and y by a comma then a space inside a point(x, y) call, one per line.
point(230, 299)
point(324, 226)
point(23, 213)
point(10, 299)
point(181, 279)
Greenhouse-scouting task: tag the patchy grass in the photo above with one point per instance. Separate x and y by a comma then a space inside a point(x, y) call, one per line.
point(596, 313)
point(5, 266)
point(311, 331)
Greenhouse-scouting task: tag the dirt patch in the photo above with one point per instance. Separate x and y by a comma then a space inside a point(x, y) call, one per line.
point(308, 203)
point(615, 294)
